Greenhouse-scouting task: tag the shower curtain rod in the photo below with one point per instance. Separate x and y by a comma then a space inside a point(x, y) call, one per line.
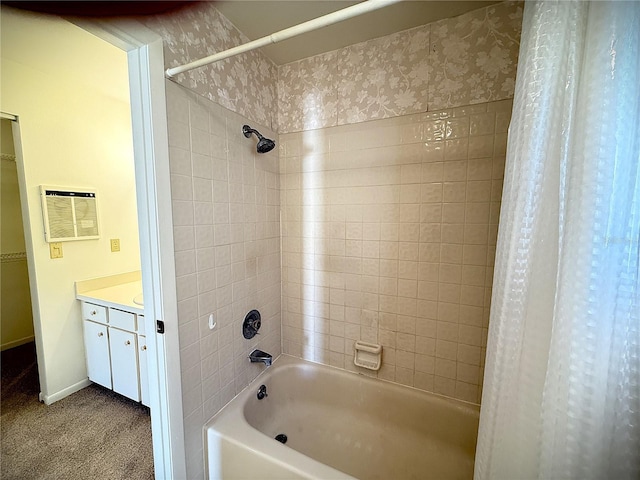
point(316, 23)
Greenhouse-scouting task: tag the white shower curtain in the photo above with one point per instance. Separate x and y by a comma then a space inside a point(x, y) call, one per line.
point(561, 392)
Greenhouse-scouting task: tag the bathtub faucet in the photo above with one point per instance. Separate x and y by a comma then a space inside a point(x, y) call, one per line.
point(259, 356)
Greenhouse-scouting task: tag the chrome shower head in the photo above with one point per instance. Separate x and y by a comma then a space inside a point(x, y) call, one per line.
point(264, 144)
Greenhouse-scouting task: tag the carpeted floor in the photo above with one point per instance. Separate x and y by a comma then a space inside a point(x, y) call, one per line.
point(92, 434)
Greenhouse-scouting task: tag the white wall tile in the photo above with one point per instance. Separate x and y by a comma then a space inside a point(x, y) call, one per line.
point(217, 262)
point(395, 251)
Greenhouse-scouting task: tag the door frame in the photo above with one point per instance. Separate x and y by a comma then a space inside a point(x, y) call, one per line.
point(152, 174)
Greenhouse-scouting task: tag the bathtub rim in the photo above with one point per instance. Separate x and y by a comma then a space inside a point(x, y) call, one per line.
point(232, 426)
point(245, 436)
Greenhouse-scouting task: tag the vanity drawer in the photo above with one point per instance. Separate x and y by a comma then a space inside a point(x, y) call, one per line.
point(141, 329)
point(122, 320)
point(95, 313)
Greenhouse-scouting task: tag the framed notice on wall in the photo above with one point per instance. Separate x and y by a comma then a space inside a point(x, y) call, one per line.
point(69, 214)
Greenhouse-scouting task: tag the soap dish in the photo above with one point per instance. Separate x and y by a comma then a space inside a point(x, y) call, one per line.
point(368, 355)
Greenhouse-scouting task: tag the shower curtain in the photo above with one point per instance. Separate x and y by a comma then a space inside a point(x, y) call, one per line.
point(561, 394)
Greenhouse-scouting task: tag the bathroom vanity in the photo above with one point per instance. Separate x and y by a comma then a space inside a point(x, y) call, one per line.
point(114, 334)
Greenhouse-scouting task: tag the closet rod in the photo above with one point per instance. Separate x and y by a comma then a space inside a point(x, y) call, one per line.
point(316, 23)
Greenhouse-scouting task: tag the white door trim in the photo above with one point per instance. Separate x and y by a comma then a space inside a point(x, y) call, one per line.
point(28, 243)
point(151, 154)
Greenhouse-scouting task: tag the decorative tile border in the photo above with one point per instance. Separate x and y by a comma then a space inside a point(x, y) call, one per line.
point(307, 98)
point(474, 56)
point(457, 61)
point(385, 77)
point(245, 84)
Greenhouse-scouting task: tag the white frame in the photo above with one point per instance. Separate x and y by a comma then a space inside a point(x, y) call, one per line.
point(152, 175)
point(151, 157)
point(33, 288)
point(45, 213)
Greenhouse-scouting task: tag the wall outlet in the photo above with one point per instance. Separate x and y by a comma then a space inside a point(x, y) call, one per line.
point(55, 250)
point(115, 244)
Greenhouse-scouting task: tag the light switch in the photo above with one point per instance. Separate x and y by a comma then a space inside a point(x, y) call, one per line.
point(115, 244)
point(55, 250)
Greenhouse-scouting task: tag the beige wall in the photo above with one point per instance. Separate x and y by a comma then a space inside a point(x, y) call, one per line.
point(389, 233)
point(16, 321)
point(70, 91)
point(226, 204)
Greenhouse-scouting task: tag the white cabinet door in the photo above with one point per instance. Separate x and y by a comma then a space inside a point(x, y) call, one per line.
point(124, 363)
point(142, 357)
point(96, 344)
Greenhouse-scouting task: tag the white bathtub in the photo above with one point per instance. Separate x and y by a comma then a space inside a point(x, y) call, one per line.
point(339, 425)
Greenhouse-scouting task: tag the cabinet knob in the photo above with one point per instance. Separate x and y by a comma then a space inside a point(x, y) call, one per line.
point(93, 312)
point(101, 334)
point(128, 342)
point(144, 347)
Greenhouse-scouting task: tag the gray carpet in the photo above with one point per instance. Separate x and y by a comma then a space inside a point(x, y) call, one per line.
point(92, 434)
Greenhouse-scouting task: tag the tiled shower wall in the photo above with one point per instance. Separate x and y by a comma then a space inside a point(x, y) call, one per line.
point(389, 232)
point(389, 226)
point(226, 210)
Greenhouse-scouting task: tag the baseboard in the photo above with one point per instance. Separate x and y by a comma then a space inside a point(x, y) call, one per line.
point(16, 343)
point(49, 399)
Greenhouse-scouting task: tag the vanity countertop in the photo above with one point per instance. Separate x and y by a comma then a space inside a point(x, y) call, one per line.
point(118, 296)
point(116, 291)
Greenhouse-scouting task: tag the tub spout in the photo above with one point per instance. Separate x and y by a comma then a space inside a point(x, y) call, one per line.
point(260, 356)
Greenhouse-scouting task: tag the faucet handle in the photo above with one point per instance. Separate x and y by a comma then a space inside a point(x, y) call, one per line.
point(251, 324)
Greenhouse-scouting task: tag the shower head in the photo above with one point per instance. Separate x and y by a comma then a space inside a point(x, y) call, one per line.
point(264, 144)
